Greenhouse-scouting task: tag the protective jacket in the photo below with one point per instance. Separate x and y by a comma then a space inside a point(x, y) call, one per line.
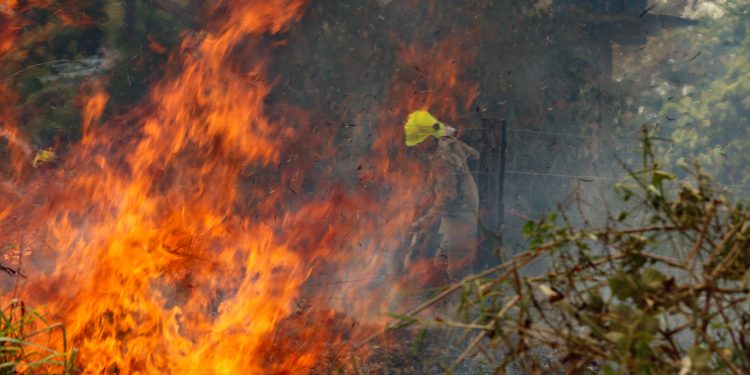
point(456, 205)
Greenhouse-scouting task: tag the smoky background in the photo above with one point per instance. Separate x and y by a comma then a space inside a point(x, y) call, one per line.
point(536, 87)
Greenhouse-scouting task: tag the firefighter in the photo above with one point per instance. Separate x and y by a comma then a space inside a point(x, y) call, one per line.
point(455, 204)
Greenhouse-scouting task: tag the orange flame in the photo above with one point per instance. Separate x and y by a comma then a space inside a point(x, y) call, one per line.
point(176, 240)
point(151, 270)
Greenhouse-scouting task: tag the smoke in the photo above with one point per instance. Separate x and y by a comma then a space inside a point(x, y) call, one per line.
point(265, 174)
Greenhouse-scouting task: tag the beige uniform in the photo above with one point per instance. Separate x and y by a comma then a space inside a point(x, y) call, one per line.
point(457, 206)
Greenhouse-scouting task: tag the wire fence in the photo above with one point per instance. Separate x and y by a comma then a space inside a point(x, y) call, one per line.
point(518, 210)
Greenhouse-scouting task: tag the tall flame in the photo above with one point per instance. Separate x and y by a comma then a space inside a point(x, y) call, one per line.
point(176, 238)
point(138, 247)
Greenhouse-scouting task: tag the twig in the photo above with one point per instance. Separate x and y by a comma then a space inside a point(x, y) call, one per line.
point(697, 246)
point(35, 66)
point(526, 257)
point(731, 256)
point(355, 364)
point(664, 259)
point(728, 236)
point(476, 340)
point(712, 345)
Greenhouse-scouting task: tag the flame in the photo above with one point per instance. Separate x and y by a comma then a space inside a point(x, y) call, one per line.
point(143, 255)
point(177, 238)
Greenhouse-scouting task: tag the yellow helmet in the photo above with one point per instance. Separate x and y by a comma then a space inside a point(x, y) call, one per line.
point(421, 124)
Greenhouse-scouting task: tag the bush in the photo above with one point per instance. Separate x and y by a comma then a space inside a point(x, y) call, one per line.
point(661, 287)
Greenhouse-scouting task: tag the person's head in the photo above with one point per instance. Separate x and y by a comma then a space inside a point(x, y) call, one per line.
point(421, 125)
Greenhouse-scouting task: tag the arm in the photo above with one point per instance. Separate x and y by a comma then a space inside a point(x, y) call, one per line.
point(463, 148)
point(445, 190)
point(470, 151)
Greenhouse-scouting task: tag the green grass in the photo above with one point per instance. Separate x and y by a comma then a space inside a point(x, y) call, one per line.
point(22, 349)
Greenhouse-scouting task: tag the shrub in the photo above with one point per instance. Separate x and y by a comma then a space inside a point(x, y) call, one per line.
point(660, 287)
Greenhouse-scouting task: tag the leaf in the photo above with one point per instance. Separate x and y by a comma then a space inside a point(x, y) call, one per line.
point(700, 357)
point(658, 177)
point(547, 291)
point(550, 293)
point(529, 229)
point(625, 192)
point(43, 156)
point(595, 301)
point(652, 279)
point(623, 286)
point(615, 337)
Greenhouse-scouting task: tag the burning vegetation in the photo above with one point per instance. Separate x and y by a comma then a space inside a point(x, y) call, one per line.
point(179, 235)
point(283, 186)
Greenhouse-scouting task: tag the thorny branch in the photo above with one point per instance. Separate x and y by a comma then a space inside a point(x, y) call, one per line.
point(622, 299)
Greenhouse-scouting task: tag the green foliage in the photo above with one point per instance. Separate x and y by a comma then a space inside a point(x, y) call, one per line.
point(138, 64)
point(22, 333)
point(54, 56)
point(699, 88)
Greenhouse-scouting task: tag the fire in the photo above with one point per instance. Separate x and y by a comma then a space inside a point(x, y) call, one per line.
point(19, 149)
point(138, 248)
point(177, 238)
